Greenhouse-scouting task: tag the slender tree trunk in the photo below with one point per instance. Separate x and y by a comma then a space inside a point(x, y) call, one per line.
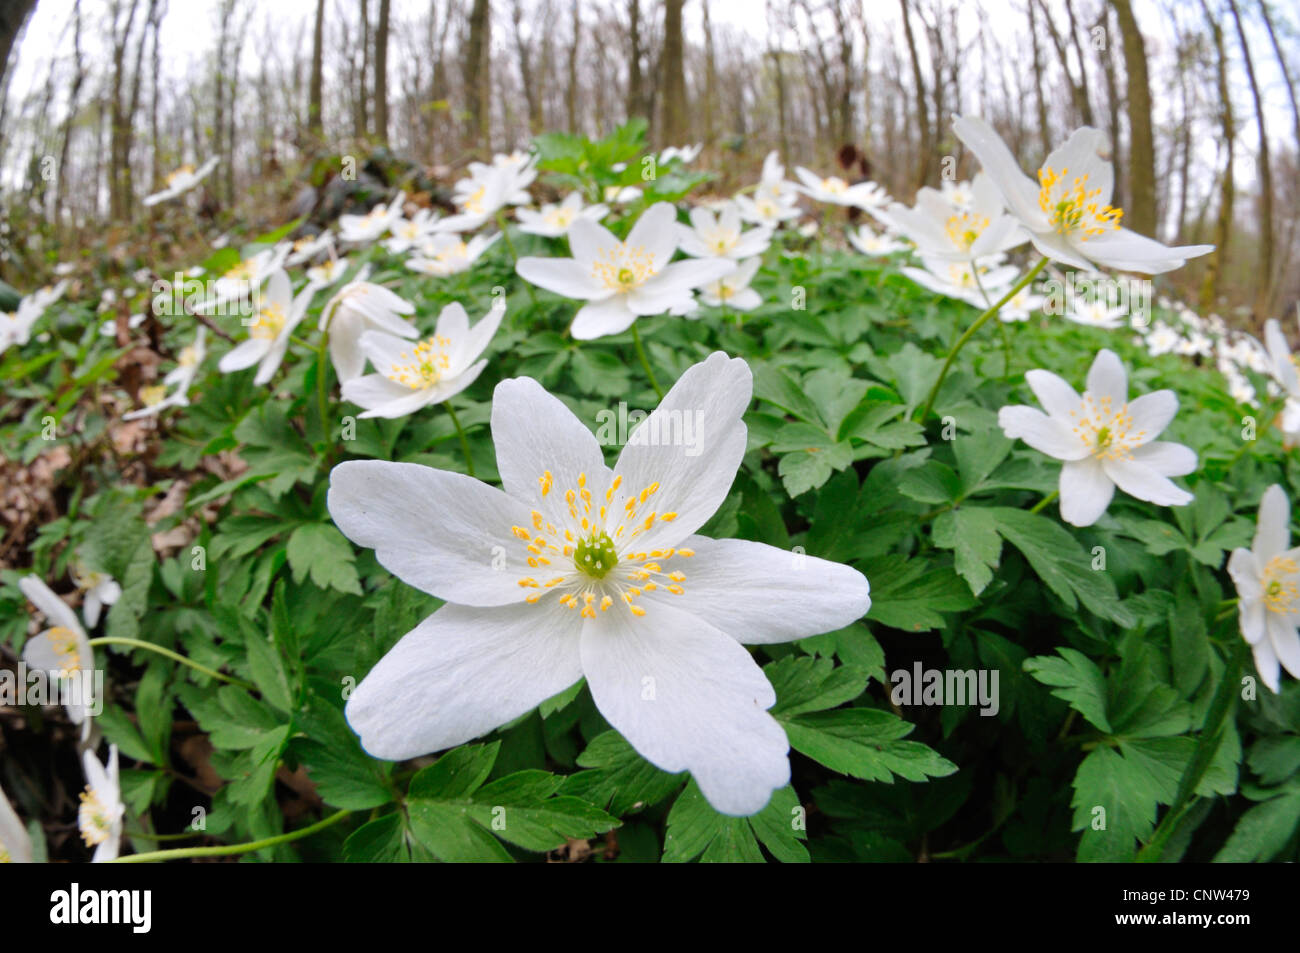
point(317, 70)
point(13, 15)
point(381, 73)
point(674, 125)
point(1217, 259)
point(571, 87)
point(1263, 305)
point(923, 113)
point(476, 73)
point(1141, 212)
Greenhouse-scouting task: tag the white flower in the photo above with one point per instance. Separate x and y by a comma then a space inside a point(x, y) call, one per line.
point(45, 296)
point(278, 314)
point(603, 579)
point(959, 195)
point(358, 307)
point(363, 229)
point(99, 817)
point(873, 244)
point(721, 235)
point(100, 590)
point(733, 291)
point(553, 221)
point(109, 328)
point(687, 154)
point(765, 210)
point(1162, 340)
point(1239, 389)
point(307, 248)
point(621, 194)
point(449, 254)
point(327, 272)
point(1021, 305)
point(245, 279)
point(1096, 314)
point(773, 184)
point(410, 376)
point(189, 361)
point(1195, 343)
point(15, 842)
point(939, 230)
point(622, 280)
point(1281, 367)
point(16, 326)
point(63, 651)
point(958, 279)
point(1066, 212)
point(1267, 577)
point(1104, 439)
point(487, 189)
point(181, 181)
point(409, 232)
point(836, 191)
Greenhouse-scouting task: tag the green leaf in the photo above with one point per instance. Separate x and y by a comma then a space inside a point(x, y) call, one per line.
point(864, 743)
point(321, 551)
point(695, 829)
point(972, 534)
point(1074, 679)
point(1263, 831)
point(1114, 805)
point(618, 778)
point(907, 595)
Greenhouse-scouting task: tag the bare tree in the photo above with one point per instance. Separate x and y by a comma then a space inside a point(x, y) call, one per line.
point(317, 70)
point(476, 73)
point(673, 123)
point(1218, 258)
point(1264, 287)
point(1141, 212)
point(381, 73)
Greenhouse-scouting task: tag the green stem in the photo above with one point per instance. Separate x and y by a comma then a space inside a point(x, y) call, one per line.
point(1041, 504)
point(970, 332)
point(168, 653)
point(180, 853)
point(464, 443)
point(1207, 744)
point(514, 256)
point(645, 361)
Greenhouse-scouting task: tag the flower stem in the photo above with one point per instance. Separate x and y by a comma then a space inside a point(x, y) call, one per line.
point(1041, 504)
point(464, 443)
point(970, 332)
point(174, 656)
point(645, 361)
point(1206, 747)
point(514, 256)
point(180, 853)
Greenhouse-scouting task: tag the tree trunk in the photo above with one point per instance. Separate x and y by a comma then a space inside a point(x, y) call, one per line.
point(476, 73)
point(13, 15)
point(1140, 215)
point(1263, 305)
point(923, 113)
point(317, 70)
point(1218, 258)
point(674, 126)
point(381, 73)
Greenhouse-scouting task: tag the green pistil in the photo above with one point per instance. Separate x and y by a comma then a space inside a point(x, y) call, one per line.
point(595, 555)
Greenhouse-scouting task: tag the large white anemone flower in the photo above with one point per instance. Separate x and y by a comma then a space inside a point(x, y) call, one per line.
point(575, 570)
point(364, 229)
point(414, 375)
point(278, 314)
point(943, 231)
point(1066, 212)
point(553, 221)
point(358, 307)
point(449, 254)
point(62, 651)
point(622, 280)
point(99, 818)
point(245, 279)
point(835, 191)
point(1267, 577)
point(181, 181)
point(1104, 439)
point(15, 842)
point(721, 235)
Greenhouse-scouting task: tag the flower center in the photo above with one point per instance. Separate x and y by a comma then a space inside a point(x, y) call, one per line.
point(835, 185)
point(595, 555)
point(965, 228)
point(1073, 207)
point(622, 268)
point(153, 396)
point(241, 272)
point(4, 856)
point(474, 204)
point(180, 175)
point(1106, 432)
point(93, 818)
point(269, 322)
point(454, 252)
point(189, 356)
point(559, 217)
point(424, 364)
point(64, 643)
point(1280, 590)
point(607, 568)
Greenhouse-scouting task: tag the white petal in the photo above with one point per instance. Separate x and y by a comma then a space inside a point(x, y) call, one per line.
point(1107, 378)
point(1058, 398)
point(244, 355)
point(688, 698)
point(1286, 642)
point(441, 532)
point(58, 612)
point(759, 594)
point(461, 673)
point(1045, 434)
point(589, 242)
point(602, 318)
point(1086, 491)
point(1151, 414)
point(1140, 481)
point(1266, 664)
point(1273, 526)
point(1166, 458)
point(1017, 188)
point(535, 433)
point(568, 277)
point(691, 445)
